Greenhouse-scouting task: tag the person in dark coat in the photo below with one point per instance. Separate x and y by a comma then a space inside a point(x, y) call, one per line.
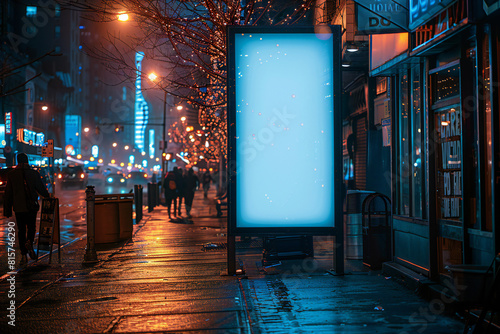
point(191, 183)
point(180, 187)
point(206, 179)
point(169, 185)
point(17, 198)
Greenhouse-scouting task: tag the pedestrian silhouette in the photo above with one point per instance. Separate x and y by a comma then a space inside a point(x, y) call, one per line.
point(191, 183)
point(21, 194)
point(170, 191)
point(180, 187)
point(207, 178)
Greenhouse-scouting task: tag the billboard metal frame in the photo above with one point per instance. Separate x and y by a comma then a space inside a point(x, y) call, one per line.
point(337, 204)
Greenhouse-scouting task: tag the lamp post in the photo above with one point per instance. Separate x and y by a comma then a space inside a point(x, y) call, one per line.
point(164, 146)
point(152, 76)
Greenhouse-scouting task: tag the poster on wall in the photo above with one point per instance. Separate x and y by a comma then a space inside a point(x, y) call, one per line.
point(285, 132)
point(449, 162)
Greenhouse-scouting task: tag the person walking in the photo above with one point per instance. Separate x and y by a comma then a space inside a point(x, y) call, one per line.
point(180, 187)
point(21, 194)
point(191, 183)
point(169, 185)
point(207, 178)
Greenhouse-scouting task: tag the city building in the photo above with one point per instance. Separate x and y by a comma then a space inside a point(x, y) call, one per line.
point(431, 97)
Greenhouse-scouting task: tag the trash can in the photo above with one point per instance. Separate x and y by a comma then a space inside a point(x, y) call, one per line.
point(113, 218)
point(377, 243)
point(353, 227)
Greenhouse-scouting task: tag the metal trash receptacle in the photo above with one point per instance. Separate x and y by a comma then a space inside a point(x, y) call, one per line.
point(353, 226)
point(113, 218)
point(377, 243)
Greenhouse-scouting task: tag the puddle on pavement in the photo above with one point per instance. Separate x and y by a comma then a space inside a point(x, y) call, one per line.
point(280, 291)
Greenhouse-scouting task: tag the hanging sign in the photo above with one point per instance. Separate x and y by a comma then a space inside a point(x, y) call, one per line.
point(8, 123)
point(423, 10)
point(381, 16)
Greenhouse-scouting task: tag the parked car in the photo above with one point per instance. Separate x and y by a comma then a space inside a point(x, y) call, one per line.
point(3, 180)
point(95, 177)
point(47, 175)
point(73, 176)
point(116, 179)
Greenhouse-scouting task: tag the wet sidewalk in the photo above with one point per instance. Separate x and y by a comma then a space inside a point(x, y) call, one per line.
point(165, 280)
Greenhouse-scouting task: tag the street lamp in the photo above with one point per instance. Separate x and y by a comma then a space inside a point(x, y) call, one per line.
point(152, 76)
point(122, 17)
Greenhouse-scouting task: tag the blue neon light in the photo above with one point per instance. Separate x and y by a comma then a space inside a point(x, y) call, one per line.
point(141, 109)
point(151, 142)
point(284, 117)
point(423, 10)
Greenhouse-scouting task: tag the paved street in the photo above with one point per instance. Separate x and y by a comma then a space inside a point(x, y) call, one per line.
point(164, 280)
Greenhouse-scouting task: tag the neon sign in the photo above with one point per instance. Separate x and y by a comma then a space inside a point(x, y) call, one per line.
point(30, 137)
point(423, 10)
point(8, 123)
point(141, 108)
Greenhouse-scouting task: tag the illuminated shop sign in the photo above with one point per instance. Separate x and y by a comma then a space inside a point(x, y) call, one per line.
point(141, 108)
point(30, 137)
point(283, 112)
point(73, 125)
point(8, 123)
point(423, 10)
point(381, 16)
point(2, 136)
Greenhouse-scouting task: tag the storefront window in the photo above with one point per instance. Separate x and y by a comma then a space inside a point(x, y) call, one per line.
point(446, 84)
point(417, 163)
point(404, 156)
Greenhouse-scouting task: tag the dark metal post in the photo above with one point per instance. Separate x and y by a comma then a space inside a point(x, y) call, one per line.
point(138, 202)
point(231, 255)
point(150, 197)
point(164, 146)
point(90, 253)
point(157, 190)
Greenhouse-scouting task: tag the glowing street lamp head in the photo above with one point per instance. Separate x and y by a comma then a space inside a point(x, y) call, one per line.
point(179, 107)
point(152, 76)
point(45, 108)
point(122, 17)
point(126, 147)
point(115, 144)
point(183, 118)
point(86, 130)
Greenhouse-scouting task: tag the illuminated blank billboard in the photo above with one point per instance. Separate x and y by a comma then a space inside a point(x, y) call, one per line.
point(283, 111)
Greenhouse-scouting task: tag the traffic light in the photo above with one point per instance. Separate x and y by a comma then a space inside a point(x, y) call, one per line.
point(167, 156)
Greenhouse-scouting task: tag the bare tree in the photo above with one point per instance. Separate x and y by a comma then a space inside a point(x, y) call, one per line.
point(188, 40)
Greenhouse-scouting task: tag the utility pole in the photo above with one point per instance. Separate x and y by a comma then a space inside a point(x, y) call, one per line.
point(164, 146)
